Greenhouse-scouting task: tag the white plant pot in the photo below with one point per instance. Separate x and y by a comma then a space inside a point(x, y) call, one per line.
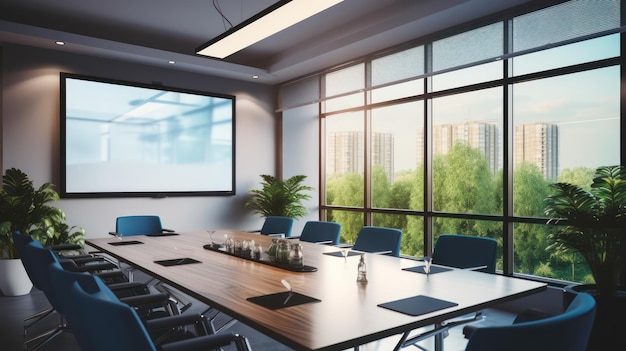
point(13, 278)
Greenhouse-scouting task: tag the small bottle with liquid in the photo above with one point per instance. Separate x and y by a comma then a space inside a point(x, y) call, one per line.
point(362, 270)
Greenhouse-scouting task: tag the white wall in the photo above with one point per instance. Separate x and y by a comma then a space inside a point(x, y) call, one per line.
point(30, 138)
point(301, 155)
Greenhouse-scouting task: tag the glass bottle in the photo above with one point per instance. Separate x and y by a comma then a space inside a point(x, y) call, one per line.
point(295, 255)
point(272, 250)
point(283, 251)
point(362, 270)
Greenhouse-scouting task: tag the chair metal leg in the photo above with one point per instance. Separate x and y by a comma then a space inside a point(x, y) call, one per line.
point(38, 317)
point(439, 332)
point(242, 343)
point(177, 297)
point(47, 337)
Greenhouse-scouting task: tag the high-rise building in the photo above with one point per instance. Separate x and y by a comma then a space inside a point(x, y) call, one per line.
point(480, 135)
point(538, 143)
point(344, 152)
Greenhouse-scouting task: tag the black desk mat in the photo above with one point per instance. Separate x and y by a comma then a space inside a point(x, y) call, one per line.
point(281, 300)
point(163, 234)
point(417, 305)
point(176, 261)
point(129, 242)
point(340, 254)
point(433, 269)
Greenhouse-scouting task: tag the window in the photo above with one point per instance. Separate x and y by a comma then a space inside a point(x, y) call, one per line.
point(462, 134)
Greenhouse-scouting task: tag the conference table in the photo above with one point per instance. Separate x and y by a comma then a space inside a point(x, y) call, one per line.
point(327, 309)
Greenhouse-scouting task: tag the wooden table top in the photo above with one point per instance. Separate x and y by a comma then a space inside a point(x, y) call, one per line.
point(348, 314)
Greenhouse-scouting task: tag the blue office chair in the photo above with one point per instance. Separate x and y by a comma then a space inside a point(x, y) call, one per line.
point(277, 225)
point(378, 240)
point(567, 331)
point(117, 326)
point(139, 225)
point(147, 225)
point(466, 252)
point(321, 232)
point(39, 280)
point(37, 259)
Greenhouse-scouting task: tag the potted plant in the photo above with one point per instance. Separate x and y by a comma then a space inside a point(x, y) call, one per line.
point(280, 197)
point(28, 210)
point(593, 224)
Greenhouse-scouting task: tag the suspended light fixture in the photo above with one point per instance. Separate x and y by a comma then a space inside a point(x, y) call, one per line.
point(270, 21)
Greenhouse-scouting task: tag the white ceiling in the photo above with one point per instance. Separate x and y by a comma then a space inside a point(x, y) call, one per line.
point(155, 31)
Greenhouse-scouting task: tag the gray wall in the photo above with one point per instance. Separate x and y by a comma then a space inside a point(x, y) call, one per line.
point(30, 138)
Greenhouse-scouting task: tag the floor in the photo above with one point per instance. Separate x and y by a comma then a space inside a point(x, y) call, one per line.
point(15, 309)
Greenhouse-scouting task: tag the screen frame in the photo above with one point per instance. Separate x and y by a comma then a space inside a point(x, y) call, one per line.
point(157, 193)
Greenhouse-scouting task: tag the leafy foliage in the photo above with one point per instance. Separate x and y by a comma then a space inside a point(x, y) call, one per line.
point(28, 210)
point(280, 197)
point(594, 224)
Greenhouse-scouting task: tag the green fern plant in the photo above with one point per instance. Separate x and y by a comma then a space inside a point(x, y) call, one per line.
point(29, 210)
point(593, 224)
point(280, 197)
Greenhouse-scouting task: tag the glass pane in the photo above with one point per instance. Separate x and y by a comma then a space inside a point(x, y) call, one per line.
point(467, 47)
point(345, 80)
point(569, 20)
point(300, 92)
point(398, 91)
point(412, 231)
point(531, 256)
point(572, 54)
point(467, 159)
point(470, 227)
point(401, 65)
point(351, 223)
point(345, 165)
point(397, 175)
point(467, 76)
point(564, 127)
point(343, 102)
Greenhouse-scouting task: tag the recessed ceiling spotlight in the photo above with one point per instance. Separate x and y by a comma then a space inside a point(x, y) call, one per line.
point(59, 42)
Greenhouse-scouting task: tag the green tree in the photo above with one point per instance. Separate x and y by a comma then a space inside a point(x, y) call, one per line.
point(463, 183)
point(381, 188)
point(530, 240)
point(581, 176)
point(347, 190)
point(413, 240)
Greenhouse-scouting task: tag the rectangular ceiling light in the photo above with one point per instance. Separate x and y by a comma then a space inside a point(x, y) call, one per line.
point(262, 25)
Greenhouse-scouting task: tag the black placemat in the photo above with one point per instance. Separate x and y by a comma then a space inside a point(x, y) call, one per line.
point(433, 269)
point(340, 254)
point(176, 261)
point(130, 242)
point(417, 305)
point(162, 234)
point(281, 300)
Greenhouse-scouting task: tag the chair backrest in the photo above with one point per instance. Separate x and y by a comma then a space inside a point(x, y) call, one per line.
point(277, 225)
point(89, 318)
point(567, 331)
point(318, 231)
point(378, 239)
point(465, 251)
point(138, 225)
point(39, 259)
point(20, 241)
point(108, 323)
point(63, 279)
